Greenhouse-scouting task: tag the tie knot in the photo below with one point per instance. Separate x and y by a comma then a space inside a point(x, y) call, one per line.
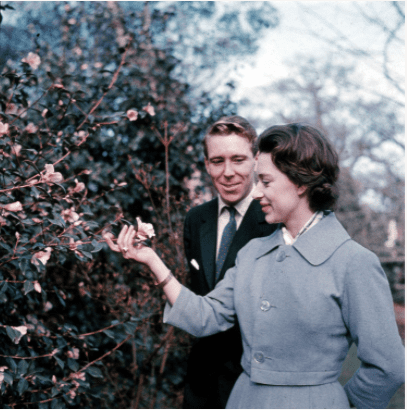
point(232, 211)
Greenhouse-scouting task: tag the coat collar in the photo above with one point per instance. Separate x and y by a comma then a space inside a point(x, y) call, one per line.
point(316, 245)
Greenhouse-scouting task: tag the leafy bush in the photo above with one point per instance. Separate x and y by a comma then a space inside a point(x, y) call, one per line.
point(86, 140)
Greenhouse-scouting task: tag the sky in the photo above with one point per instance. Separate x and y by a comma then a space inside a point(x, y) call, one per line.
point(325, 19)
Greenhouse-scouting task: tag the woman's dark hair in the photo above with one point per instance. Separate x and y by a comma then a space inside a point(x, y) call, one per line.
point(307, 158)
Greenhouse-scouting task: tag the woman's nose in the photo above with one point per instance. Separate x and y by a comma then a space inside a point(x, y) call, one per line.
point(258, 193)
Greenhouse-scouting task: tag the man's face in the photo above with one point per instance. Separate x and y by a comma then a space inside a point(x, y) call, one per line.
point(230, 164)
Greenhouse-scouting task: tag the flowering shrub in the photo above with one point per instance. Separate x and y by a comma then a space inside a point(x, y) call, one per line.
point(86, 137)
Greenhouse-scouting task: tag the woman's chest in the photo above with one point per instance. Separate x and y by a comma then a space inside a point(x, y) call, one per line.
point(281, 289)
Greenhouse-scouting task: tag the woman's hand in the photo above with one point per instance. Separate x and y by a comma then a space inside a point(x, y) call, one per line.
point(146, 255)
point(125, 245)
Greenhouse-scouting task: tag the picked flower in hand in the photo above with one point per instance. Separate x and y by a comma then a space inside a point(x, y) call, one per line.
point(144, 231)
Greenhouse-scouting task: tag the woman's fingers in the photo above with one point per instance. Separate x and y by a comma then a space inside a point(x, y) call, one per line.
point(108, 237)
point(128, 239)
point(120, 238)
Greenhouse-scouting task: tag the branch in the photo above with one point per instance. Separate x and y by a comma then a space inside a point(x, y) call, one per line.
point(114, 79)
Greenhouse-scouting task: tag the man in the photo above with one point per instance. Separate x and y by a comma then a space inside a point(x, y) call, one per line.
point(213, 234)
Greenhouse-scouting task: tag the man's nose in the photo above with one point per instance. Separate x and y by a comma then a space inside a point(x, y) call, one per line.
point(229, 170)
point(257, 192)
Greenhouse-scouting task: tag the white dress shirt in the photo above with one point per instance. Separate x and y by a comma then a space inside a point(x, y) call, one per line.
point(224, 215)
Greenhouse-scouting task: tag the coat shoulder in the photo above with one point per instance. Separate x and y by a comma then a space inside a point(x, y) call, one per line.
point(203, 209)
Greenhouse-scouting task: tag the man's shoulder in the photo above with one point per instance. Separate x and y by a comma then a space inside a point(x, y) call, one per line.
point(203, 209)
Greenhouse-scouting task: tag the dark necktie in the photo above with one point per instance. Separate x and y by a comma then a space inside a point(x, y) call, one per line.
point(227, 236)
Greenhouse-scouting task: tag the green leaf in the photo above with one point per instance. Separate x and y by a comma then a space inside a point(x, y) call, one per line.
point(73, 364)
point(6, 247)
point(3, 288)
point(55, 222)
point(56, 404)
point(130, 328)
point(28, 286)
point(12, 364)
point(61, 364)
point(109, 333)
point(22, 386)
point(94, 372)
point(54, 391)
point(97, 246)
point(8, 378)
point(22, 367)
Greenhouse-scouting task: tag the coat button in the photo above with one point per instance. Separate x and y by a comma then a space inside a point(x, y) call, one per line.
point(259, 357)
point(280, 256)
point(265, 305)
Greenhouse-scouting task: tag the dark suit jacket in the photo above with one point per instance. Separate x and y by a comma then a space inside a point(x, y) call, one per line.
point(214, 361)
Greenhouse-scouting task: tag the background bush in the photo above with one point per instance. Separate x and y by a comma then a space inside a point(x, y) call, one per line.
point(86, 144)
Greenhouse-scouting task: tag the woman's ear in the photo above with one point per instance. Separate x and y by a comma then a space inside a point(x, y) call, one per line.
point(301, 190)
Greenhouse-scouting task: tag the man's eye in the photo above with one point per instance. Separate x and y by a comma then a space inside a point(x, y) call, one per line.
point(239, 160)
point(216, 161)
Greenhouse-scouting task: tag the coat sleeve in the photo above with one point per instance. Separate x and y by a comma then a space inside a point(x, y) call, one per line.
point(368, 312)
point(204, 315)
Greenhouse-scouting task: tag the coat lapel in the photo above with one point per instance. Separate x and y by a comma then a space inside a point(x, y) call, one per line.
point(208, 234)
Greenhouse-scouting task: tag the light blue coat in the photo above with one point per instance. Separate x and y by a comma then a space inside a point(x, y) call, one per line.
point(300, 307)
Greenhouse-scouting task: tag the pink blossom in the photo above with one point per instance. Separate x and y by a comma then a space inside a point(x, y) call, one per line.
point(37, 286)
point(74, 353)
point(132, 115)
point(11, 109)
point(3, 128)
point(144, 231)
point(33, 60)
point(69, 215)
point(17, 149)
point(80, 186)
point(149, 109)
point(43, 256)
point(51, 177)
point(31, 128)
point(13, 207)
point(80, 376)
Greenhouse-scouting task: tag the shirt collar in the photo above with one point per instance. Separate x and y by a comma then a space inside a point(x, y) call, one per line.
point(315, 218)
point(241, 207)
point(316, 245)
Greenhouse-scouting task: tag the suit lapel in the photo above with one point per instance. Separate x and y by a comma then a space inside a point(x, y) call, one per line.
point(208, 234)
point(253, 225)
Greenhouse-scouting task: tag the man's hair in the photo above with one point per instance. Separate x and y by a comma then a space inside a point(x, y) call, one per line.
point(232, 125)
point(307, 158)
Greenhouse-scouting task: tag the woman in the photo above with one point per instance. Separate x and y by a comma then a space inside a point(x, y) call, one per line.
point(301, 295)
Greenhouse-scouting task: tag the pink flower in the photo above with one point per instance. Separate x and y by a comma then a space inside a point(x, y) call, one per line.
point(31, 128)
point(51, 177)
point(33, 60)
point(16, 149)
point(43, 256)
point(13, 207)
point(80, 186)
point(11, 109)
point(149, 109)
point(3, 128)
point(69, 215)
point(144, 231)
point(132, 115)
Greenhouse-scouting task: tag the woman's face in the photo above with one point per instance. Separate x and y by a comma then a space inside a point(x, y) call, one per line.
point(280, 199)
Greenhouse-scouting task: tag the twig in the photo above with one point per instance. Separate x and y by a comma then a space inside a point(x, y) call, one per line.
point(114, 79)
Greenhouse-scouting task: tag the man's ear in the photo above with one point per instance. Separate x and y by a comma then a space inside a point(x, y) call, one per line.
point(207, 165)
